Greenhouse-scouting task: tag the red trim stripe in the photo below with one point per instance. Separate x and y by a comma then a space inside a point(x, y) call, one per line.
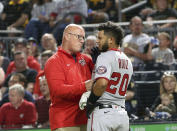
point(115, 49)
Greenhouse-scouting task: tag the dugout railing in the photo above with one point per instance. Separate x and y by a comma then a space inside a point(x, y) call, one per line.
point(91, 29)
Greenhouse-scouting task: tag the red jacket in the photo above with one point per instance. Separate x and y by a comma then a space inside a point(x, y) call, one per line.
point(66, 78)
point(36, 89)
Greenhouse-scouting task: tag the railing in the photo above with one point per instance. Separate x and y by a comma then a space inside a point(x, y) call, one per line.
point(91, 28)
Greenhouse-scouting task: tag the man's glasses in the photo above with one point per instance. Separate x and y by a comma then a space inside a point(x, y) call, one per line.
point(79, 37)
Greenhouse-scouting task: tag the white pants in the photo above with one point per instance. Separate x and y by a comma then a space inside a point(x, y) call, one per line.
point(108, 119)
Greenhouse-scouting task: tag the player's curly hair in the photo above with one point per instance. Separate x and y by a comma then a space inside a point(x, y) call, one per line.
point(114, 30)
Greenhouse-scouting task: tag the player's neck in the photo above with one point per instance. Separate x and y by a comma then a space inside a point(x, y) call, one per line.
point(113, 46)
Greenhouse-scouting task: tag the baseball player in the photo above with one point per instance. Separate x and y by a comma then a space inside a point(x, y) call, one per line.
point(113, 70)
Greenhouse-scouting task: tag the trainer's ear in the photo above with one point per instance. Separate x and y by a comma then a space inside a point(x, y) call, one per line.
point(66, 36)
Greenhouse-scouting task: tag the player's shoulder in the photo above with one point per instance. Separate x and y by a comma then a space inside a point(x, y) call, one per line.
point(109, 55)
point(106, 54)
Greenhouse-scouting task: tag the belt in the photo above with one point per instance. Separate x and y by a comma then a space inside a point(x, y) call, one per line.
point(109, 106)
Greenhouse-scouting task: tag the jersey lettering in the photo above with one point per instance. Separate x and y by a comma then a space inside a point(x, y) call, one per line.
point(123, 63)
point(123, 83)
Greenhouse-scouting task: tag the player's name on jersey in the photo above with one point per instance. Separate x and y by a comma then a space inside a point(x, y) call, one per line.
point(123, 63)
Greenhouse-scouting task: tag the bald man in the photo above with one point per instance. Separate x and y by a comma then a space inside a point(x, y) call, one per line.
point(48, 42)
point(68, 74)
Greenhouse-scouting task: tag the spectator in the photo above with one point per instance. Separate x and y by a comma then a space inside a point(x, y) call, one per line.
point(149, 9)
point(133, 10)
point(168, 84)
point(64, 7)
point(163, 12)
point(135, 44)
point(4, 62)
point(175, 47)
point(68, 73)
point(1, 7)
point(2, 76)
point(33, 48)
point(15, 15)
point(164, 110)
point(2, 79)
point(2, 48)
point(48, 42)
point(18, 112)
point(129, 99)
point(167, 104)
point(44, 57)
point(102, 11)
point(40, 15)
point(20, 61)
point(69, 11)
point(16, 78)
point(90, 43)
point(21, 45)
point(174, 4)
point(42, 104)
point(163, 54)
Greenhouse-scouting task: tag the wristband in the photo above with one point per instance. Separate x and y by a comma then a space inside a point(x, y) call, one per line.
point(93, 98)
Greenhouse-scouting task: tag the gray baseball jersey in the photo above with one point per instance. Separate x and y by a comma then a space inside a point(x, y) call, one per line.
point(117, 68)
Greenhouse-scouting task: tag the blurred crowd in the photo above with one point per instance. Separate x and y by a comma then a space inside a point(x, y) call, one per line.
point(24, 93)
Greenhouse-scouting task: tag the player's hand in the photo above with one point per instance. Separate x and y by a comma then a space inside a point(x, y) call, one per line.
point(94, 54)
point(88, 84)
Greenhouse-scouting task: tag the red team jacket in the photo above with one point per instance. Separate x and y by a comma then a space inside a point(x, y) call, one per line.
point(36, 89)
point(65, 77)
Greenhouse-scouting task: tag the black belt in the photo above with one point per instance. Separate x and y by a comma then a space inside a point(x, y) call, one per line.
point(107, 106)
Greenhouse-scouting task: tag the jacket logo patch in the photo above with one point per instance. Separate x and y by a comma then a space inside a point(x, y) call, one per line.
point(82, 62)
point(101, 70)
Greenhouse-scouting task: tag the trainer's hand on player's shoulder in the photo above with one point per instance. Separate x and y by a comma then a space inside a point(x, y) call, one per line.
point(94, 54)
point(88, 84)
